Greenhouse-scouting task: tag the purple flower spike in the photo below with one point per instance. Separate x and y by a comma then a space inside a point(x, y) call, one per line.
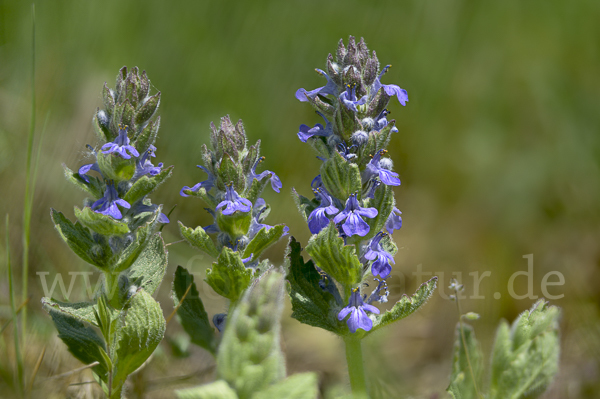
point(381, 267)
point(394, 222)
point(144, 166)
point(358, 318)
point(207, 184)
point(318, 220)
point(121, 145)
point(381, 121)
point(275, 180)
point(329, 88)
point(390, 90)
point(233, 202)
point(348, 98)
point(387, 177)
point(107, 205)
point(354, 224)
point(307, 132)
point(86, 168)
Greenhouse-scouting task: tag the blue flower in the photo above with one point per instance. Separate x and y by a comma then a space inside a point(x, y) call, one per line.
point(390, 90)
point(233, 202)
point(354, 224)
point(121, 145)
point(107, 205)
point(344, 151)
point(275, 181)
point(306, 132)
point(358, 318)
point(381, 121)
point(348, 98)
point(329, 88)
point(394, 222)
point(144, 166)
point(207, 184)
point(212, 228)
point(141, 208)
point(86, 168)
point(373, 184)
point(381, 267)
point(219, 321)
point(318, 220)
point(387, 177)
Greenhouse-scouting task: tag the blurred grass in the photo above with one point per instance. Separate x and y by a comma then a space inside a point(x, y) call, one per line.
point(498, 152)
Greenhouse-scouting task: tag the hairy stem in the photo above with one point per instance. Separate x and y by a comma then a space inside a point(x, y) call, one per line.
point(355, 366)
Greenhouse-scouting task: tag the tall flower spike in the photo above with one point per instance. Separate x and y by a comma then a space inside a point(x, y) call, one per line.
point(233, 202)
point(207, 184)
point(275, 180)
point(381, 267)
point(121, 145)
point(318, 220)
point(305, 132)
point(329, 88)
point(358, 318)
point(354, 224)
point(390, 90)
point(348, 98)
point(107, 205)
point(387, 177)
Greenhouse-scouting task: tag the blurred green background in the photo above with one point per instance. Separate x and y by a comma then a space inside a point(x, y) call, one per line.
point(498, 152)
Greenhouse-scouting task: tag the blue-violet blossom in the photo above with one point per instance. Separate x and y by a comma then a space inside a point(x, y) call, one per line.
point(358, 318)
point(275, 181)
point(144, 166)
point(381, 267)
point(318, 220)
point(394, 222)
point(381, 121)
point(207, 184)
point(107, 205)
point(329, 88)
point(348, 98)
point(390, 90)
point(387, 177)
point(121, 145)
point(305, 132)
point(354, 224)
point(233, 202)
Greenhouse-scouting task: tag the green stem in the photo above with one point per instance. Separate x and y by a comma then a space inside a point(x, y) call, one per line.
point(111, 280)
point(356, 369)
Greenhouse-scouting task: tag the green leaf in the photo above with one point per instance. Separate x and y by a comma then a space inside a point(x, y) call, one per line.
point(149, 268)
point(310, 304)
point(336, 259)
point(318, 144)
point(249, 357)
point(467, 357)
point(82, 311)
point(101, 224)
point(406, 305)
point(230, 172)
point(297, 386)
point(305, 206)
point(262, 240)
point(145, 185)
point(228, 276)
point(81, 340)
point(148, 109)
point(79, 239)
point(236, 224)
point(215, 390)
point(94, 187)
point(340, 177)
point(139, 330)
point(199, 238)
point(525, 358)
point(124, 259)
point(147, 136)
point(192, 316)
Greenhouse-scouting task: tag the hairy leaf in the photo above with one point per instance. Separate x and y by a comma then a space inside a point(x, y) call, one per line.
point(263, 240)
point(228, 276)
point(200, 239)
